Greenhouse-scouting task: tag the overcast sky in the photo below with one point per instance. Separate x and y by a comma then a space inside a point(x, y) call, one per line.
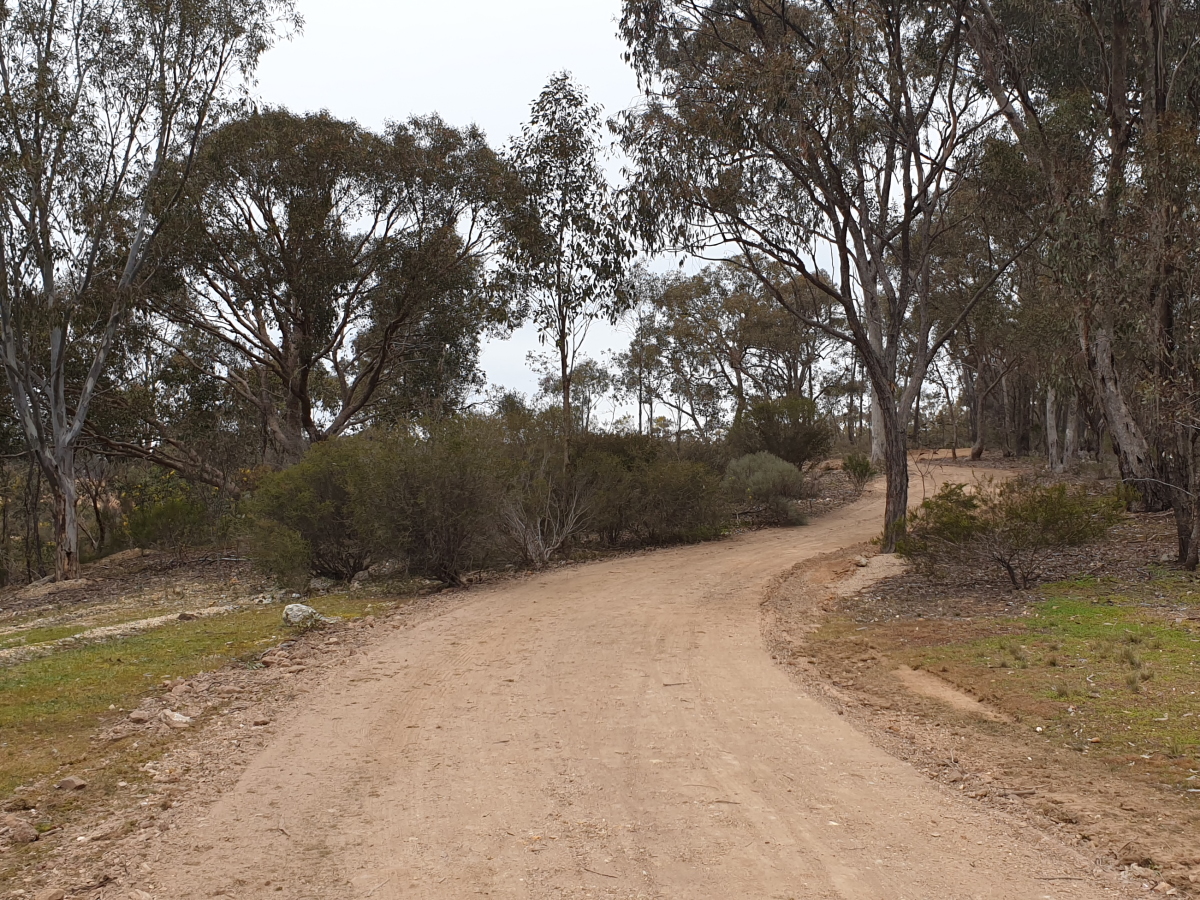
point(471, 61)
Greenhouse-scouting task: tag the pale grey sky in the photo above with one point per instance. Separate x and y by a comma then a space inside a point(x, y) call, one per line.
point(480, 61)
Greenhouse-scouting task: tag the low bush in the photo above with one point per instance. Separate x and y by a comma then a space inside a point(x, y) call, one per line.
point(435, 498)
point(466, 493)
point(310, 505)
point(644, 490)
point(1013, 524)
point(859, 470)
point(768, 483)
point(163, 511)
point(787, 427)
point(282, 553)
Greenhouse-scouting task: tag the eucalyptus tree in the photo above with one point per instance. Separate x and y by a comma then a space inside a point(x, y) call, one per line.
point(99, 96)
point(1103, 99)
point(708, 345)
point(826, 138)
point(335, 268)
point(570, 260)
point(755, 348)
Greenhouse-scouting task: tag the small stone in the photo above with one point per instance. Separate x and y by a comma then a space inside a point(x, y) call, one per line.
point(173, 719)
point(360, 577)
point(140, 895)
point(72, 783)
point(862, 562)
point(106, 832)
point(20, 831)
point(299, 615)
point(52, 894)
point(319, 585)
point(17, 804)
point(1162, 887)
point(141, 715)
point(262, 720)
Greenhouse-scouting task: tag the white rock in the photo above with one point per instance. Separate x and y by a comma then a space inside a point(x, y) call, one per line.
point(300, 616)
point(174, 719)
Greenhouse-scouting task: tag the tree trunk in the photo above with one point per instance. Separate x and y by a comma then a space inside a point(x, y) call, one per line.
point(875, 346)
point(1056, 462)
point(1024, 416)
point(66, 525)
point(1071, 441)
point(896, 470)
point(1133, 453)
point(568, 424)
point(878, 441)
point(1010, 425)
point(1192, 558)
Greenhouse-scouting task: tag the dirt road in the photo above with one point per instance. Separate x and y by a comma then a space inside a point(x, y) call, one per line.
point(609, 730)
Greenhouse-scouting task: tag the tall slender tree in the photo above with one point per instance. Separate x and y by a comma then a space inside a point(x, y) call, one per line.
point(572, 257)
point(330, 264)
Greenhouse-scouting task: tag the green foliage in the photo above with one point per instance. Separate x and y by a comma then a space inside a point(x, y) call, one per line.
point(435, 499)
point(175, 523)
point(1014, 524)
point(468, 492)
point(788, 428)
point(644, 491)
point(859, 470)
point(282, 553)
point(310, 505)
point(767, 481)
point(165, 512)
point(546, 505)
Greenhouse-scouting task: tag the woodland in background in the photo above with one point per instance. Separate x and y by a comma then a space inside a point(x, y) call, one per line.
point(965, 224)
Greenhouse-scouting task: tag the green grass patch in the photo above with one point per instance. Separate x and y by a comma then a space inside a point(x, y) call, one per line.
point(40, 635)
point(51, 707)
point(1099, 671)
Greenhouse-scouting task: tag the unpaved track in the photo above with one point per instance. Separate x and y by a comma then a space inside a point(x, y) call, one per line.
point(608, 730)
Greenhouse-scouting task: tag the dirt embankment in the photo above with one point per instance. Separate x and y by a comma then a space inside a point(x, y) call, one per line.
point(1005, 697)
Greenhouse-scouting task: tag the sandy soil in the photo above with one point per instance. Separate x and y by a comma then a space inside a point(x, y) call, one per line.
point(612, 730)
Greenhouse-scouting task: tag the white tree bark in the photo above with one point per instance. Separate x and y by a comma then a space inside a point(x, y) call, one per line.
point(1052, 454)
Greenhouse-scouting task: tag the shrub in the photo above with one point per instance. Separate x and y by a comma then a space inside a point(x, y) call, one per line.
point(436, 498)
point(677, 500)
point(311, 505)
point(163, 511)
point(859, 470)
point(175, 523)
point(545, 506)
point(788, 427)
point(644, 490)
point(767, 482)
point(282, 553)
point(1014, 524)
